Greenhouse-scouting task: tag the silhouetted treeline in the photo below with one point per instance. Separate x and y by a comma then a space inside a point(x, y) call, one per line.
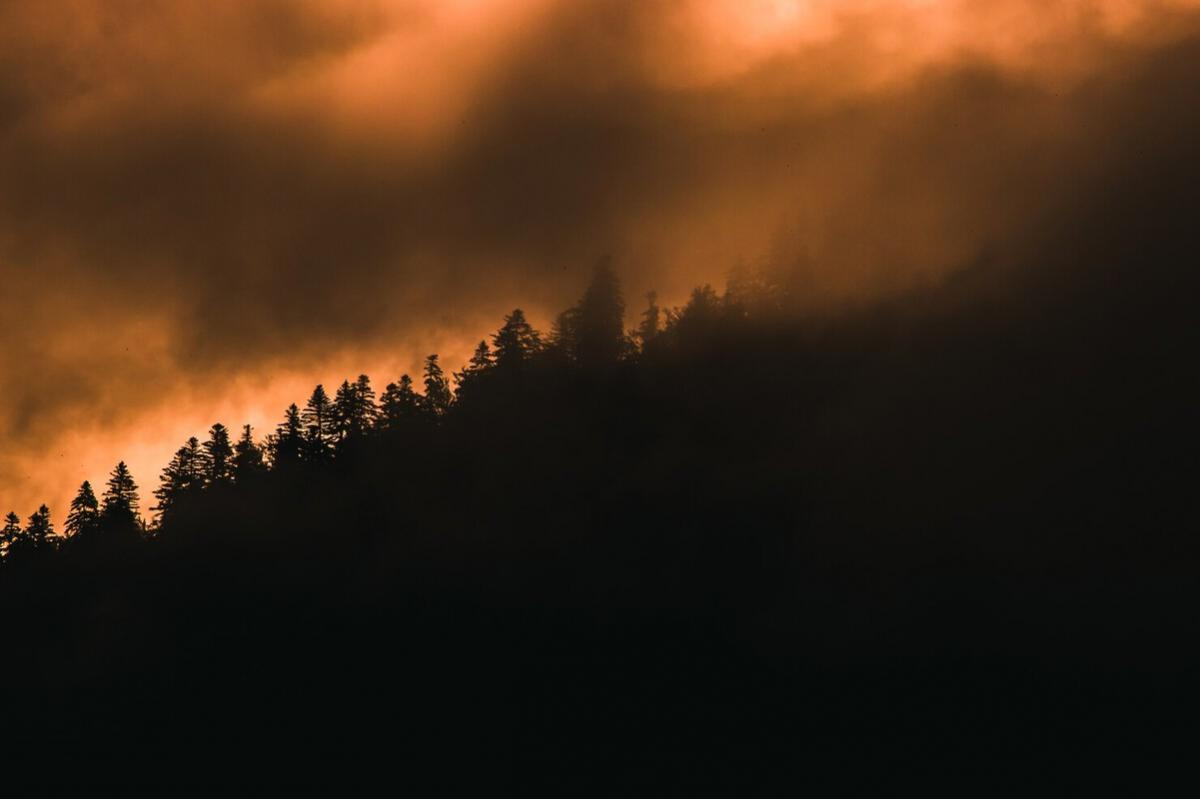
point(519, 369)
point(729, 546)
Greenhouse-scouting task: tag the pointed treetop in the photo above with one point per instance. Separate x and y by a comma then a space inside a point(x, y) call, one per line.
point(650, 326)
point(84, 513)
point(247, 456)
point(11, 530)
point(39, 530)
point(481, 362)
point(437, 389)
point(600, 319)
point(399, 402)
point(286, 443)
point(218, 455)
point(121, 495)
point(516, 341)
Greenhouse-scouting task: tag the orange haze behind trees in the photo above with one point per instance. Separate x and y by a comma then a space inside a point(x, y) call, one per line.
point(208, 207)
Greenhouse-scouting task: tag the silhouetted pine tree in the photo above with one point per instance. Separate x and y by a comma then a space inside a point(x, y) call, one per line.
point(320, 419)
point(469, 378)
point(651, 322)
point(437, 389)
point(354, 411)
point(516, 342)
point(366, 412)
point(247, 457)
point(286, 445)
point(24, 542)
point(563, 333)
point(399, 402)
point(699, 320)
point(84, 515)
point(119, 513)
point(40, 531)
point(10, 532)
point(185, 473)
point(599, 323)
point(219, 455)
point(344, 404)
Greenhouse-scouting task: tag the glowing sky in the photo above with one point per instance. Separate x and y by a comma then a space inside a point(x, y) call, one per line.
point(207, 207)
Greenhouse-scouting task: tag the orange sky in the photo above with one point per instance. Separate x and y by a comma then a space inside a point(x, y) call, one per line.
point(208, 207)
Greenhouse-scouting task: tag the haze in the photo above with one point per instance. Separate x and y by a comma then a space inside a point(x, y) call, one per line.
point(208, 207)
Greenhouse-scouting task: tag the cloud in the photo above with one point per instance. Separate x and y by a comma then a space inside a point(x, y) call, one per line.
point(206, 206)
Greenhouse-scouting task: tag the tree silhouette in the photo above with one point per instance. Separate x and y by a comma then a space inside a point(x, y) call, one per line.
point(247, 457)
point(468, 380)
point(437, 389)
point(591, 334)
point(84, 515)
point(219, 455)
point(11, 532)
point(366, 413)
point(319, 421)
point(599, 323)
point(398, 403)
point(186, 472)
point(651, 322)
point(631, 531)
point(119, 513)
point(286, 445)
point(515, 343)
point(354, 411)
point(697, 324)
point(39, 530)
point(344, 411)
point(564, 334)
point(35, 537)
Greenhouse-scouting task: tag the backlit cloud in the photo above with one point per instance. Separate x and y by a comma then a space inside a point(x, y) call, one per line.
point(205, 207)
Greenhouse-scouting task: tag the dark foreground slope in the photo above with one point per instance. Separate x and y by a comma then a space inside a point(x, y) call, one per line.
point(949, 537)
point(945, 537)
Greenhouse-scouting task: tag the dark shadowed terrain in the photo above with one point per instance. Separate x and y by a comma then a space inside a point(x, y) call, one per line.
point(794, 534)
point(942, 536)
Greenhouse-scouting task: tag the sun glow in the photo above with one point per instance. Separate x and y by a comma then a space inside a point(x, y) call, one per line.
point(471, 151)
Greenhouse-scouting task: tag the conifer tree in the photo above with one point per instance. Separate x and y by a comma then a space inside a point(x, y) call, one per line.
point(516, 342)
point(357, 407)
point(186, 472)
point(22, 542)
point(84, 515)
point(479, 365)
point(649, 328)
point(11, 532)
point(600, 320)
point(218, 456)
point(482, 360)
point(354, 410)
point(198, 464)
point(287, 443)
point(39, 531)
point(344, 409)
point(366, 412)
point(399, 402)
point(319, 419)
point(699, 318)
point(437, 389)
point(247, 456)
point(120, 509)
point(564, 334)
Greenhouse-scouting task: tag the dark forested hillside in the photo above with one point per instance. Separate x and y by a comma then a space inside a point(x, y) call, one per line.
point(726, 548)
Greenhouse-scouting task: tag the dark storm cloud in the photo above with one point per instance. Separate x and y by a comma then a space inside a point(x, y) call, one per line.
point(191, 192)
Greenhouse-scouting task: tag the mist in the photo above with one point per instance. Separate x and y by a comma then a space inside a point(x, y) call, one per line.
point(205, 208)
